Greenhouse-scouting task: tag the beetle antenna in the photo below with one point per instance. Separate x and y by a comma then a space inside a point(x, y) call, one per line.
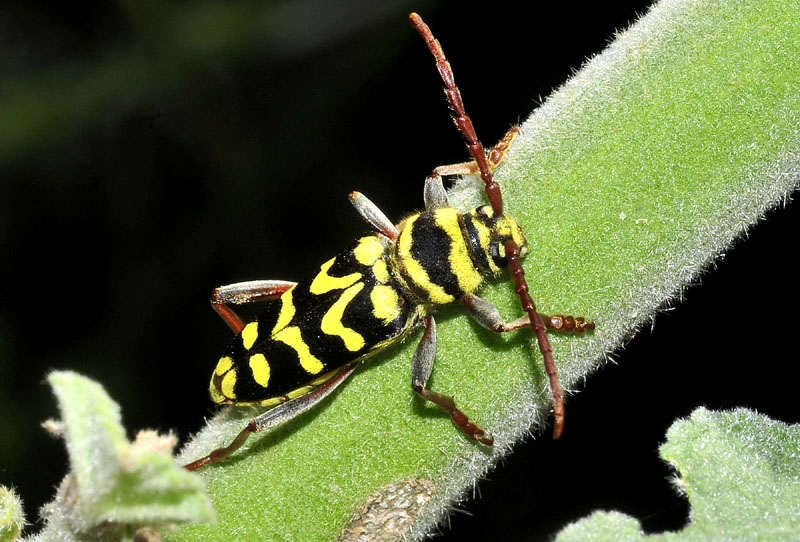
point(464, 125)
point(460, 117)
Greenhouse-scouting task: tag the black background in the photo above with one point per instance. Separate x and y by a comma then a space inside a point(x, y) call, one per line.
point(212, 165)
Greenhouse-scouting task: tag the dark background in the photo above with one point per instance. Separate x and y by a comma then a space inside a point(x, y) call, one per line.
point(149, 153)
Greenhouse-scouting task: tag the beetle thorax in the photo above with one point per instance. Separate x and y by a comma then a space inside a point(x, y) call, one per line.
point(441, 255)
point(432, 259)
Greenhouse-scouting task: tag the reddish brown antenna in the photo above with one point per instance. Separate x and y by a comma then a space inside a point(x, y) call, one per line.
point(460, 117)
point(464, 125)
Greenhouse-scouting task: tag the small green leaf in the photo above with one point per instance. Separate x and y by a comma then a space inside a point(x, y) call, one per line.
point(93, 432)
point(741, 473)
point(113, 481)
point(602, 526)
point(12, 518)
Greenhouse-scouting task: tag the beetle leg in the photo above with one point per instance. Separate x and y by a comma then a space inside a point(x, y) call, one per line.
point(494, 158)
point(434, 195)
point(487, 315)
point(498, 152)
point(276, 416)
point(462, 168)
point(245, 292)
point(421, 368)
point(373, 215)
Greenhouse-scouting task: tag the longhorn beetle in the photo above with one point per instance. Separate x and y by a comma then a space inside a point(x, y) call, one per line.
point(315, 333)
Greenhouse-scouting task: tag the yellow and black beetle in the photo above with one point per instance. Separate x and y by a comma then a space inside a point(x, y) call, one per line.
point(315, 332)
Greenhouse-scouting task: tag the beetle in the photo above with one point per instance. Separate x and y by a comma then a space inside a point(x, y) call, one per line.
point(313, 334)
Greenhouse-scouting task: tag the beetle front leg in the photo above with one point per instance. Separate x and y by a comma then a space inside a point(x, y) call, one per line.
point(421, 368)
point(435, 194)
point(252, 291)
point(495, 156)
point(487, 315)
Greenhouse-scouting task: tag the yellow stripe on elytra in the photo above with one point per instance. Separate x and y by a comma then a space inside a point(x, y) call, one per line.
point(460, 261)
point(227, 385)
point(323, 282)
point(416, 272)
point(381, 271)
point(332, 321)
point(249, 335)
point(287, 311)
point(299, 392)
point(223, 365)
point(272, 401)
point(385, 303)
point(216, 397)
point(260, 369)
point(368, 251)
point(291, 336)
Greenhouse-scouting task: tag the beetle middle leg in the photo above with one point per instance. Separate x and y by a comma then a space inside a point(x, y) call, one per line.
point(487, 315)
point(421, 368)
point(373, 215)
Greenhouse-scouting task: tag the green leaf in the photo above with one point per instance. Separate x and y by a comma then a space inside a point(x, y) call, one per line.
point(12, 518)
point(113, 482)
point(628, 181)
point(740, 472)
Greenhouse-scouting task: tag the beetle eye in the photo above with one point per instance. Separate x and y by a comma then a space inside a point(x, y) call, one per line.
point(481, 211)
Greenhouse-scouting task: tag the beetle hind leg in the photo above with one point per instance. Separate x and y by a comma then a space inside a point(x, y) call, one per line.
point(276, 416)
point(239, 293)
